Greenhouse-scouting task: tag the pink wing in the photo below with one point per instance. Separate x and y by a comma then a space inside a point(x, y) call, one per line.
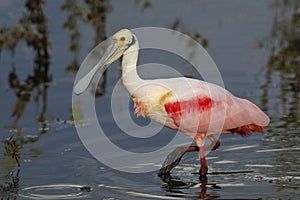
point(211, 109)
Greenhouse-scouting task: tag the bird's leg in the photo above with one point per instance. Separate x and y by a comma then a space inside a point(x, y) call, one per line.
point(174, 158)
point(215, 143)
point(203, 170)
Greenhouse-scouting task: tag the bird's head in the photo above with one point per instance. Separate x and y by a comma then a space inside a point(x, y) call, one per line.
point(121, 41)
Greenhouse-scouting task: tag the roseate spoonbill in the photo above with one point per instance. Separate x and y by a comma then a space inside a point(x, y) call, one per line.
point(182, 104)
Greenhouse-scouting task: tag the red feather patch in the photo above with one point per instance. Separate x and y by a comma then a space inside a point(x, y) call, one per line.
point(198, 104)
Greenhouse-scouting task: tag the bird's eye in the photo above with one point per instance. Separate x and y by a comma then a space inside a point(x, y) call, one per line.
point(122, 38)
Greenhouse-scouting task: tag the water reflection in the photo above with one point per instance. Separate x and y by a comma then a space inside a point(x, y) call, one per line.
point(283, 72)
point(283, 64)
point(281, 92)
point(206, 190)
point(280, 96)
point(32, 29)
point(93, 12)
point(178, 26)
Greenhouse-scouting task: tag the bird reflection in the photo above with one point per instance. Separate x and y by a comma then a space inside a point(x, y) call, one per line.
point(207, 190)
point(175, 186)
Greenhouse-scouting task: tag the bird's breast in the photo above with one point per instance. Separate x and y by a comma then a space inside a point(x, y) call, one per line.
point(141, 108)
point(152, 107)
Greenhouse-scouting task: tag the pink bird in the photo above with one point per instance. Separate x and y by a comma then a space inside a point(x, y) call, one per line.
point(197, 108)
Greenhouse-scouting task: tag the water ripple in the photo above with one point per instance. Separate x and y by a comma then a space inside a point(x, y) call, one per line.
point(240, 147)
point(275, 150)
point(54, 191)
point(140, 194)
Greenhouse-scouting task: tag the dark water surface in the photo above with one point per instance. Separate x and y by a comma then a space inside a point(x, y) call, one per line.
point(255, 44)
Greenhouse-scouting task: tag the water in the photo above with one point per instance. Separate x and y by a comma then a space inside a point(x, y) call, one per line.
point(254, 44)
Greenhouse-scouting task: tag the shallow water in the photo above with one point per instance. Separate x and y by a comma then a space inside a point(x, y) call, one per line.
point(255, 46)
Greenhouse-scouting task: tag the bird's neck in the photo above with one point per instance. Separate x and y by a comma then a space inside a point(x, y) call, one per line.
point(130, 77)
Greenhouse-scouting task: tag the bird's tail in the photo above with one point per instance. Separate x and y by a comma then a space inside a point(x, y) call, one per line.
point(246, 130)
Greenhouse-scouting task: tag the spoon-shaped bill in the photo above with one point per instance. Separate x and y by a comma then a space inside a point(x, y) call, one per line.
point(112, 53)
